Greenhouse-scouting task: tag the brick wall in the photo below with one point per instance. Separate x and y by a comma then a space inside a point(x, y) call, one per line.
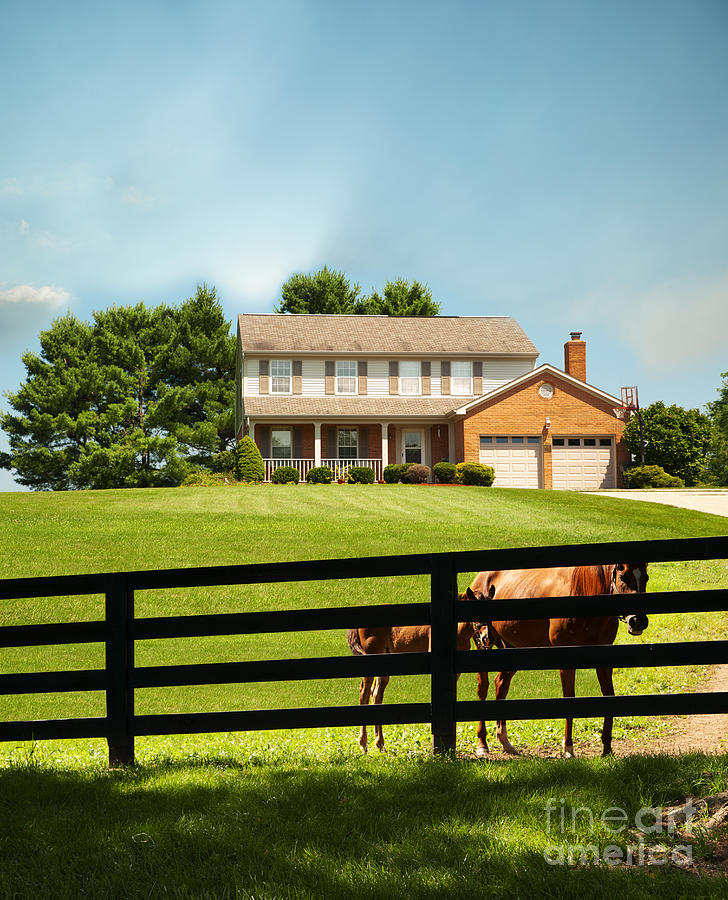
point(523, 411)
point(440, 445)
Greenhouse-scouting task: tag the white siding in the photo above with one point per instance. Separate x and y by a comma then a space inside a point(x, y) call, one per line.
point(314, 383)
point(497, 372)
point(378, 378)
point(436, 383)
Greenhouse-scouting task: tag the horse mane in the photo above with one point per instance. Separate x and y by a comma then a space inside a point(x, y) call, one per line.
point(589, 580)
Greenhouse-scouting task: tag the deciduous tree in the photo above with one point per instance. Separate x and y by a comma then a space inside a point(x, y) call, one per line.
point(675, 438)
point(400, 298)
point(717, 462)
point(325, 291)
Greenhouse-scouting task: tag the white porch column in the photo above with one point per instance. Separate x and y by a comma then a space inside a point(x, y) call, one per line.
point(251, 429)
point(385, 445)
point(317, 443)
point(451, 442)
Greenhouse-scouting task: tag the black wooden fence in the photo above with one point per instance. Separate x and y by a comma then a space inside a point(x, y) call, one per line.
point(120, 629)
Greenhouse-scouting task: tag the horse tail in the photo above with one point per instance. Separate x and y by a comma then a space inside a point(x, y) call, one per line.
point(352, 638)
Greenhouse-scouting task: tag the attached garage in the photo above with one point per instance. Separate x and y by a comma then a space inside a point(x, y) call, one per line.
point(517, 460)
point(583, 463)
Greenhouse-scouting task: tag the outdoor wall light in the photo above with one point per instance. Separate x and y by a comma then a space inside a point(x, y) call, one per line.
point(548, 422)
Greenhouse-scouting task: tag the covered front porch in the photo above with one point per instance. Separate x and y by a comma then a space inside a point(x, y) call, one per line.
point(340, 445)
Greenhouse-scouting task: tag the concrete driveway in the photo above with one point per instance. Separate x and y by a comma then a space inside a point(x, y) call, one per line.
point(709, 500)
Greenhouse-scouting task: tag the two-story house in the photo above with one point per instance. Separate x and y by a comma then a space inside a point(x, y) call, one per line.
point(371, 390)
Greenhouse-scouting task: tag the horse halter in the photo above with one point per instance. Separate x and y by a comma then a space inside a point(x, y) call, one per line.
point(613, 590)
point(628, 619)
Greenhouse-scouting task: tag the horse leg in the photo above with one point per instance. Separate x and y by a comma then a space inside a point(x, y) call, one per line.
point(482, 690)
point(378, 695)
point(568, 682)
point(607, 686)
point(365, 689)
point(502, 683)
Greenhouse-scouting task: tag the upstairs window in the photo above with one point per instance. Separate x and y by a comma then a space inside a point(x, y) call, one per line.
point(409, 378)
point(461, 380)
point(346, 376)
point(280, 376)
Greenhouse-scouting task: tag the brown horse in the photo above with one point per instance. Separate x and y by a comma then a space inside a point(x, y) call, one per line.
point(392, 639)
point(577, 581)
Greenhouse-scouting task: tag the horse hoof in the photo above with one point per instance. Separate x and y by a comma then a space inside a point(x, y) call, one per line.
point(607, 751)
point(569, 753)
point(509, 748)
point(481, 752)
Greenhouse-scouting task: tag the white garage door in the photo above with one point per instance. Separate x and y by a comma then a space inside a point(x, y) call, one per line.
point(583, 463)
point(516, 460)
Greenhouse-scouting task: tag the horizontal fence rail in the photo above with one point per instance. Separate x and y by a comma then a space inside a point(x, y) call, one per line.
point(121, 629)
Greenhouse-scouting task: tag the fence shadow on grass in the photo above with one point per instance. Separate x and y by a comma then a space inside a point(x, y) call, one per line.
point(382, 827)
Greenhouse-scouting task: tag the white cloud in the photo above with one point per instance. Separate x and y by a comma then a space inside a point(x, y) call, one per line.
point(24, 311)
point(24, 227)
point(52, 296)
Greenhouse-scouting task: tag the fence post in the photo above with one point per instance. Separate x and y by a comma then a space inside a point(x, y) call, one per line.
point(443, 592)
point(119, 666)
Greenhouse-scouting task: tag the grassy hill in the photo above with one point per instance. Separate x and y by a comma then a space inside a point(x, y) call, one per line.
point(303, 814)
point(64, 533)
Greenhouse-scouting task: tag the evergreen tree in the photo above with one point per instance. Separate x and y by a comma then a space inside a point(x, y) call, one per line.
point(249, 463)
point(131, 401)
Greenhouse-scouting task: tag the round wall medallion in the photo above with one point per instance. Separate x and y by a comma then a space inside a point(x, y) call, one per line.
point(546, 391)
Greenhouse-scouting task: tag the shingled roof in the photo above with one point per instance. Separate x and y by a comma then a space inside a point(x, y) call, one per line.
point(476, 335)
point(322, 407)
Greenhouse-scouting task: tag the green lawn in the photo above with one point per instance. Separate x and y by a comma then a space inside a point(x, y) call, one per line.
point(303, 814)
point(58, 533)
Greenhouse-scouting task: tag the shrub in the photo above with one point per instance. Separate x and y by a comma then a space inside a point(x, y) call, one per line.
point(320, 475)
point(416, 474)
point(651, 476)
point(224, 462)
point(474, 473)
point(248, 461)
point(285, 475)
point(360, 475)
point(394, 472)
point(444, 472)
point(209, 479)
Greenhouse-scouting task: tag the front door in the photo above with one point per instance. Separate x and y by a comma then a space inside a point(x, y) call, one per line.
point(413, 450)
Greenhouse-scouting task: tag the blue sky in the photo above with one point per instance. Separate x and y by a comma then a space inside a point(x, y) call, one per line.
point(565, 163)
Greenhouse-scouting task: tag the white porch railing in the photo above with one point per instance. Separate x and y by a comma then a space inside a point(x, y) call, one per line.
point(303, 465)
point(337, 466)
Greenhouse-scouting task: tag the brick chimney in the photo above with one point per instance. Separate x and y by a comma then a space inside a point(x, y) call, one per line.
point(575, 356)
